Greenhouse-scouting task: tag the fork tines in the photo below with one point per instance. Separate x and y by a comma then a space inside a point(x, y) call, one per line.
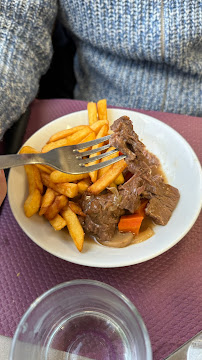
point(88, 160)
point(97, 157)
point(81, 155)
point(91, 143)
point(101, 164)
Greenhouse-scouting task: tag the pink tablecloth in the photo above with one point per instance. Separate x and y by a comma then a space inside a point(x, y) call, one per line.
point(166, 290)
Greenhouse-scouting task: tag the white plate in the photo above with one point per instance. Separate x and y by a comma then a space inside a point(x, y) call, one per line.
point(180, 165)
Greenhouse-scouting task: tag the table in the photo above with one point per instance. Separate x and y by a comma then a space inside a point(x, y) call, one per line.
point(166, 290)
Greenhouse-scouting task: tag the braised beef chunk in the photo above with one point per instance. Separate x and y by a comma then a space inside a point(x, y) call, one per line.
point(162, 197)
point(161, 206)
point(151, 159)
point(102, 214)
point(130, 193)
point(127, 141)
point(123, 137)
point(163, 200)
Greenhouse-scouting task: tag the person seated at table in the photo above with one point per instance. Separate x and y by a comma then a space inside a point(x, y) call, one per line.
point(136, 53)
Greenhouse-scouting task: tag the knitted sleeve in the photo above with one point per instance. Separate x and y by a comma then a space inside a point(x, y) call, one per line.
point(25, 53)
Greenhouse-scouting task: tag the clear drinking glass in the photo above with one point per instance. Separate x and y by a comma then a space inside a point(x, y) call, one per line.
point(81, 320)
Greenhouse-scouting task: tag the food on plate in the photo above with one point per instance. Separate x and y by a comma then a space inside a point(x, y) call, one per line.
point(102, 109)
point(92, 113)
point(146, 181)
point(59, 177)
point(47, 200)
point(58, 204)
point(68, 189)
point(74, 227)
point(98, 125)
point(83, 185)
point(58, 223)
point(32, 203)
point(130, 223)
point(106, 158)
point(64, 133)
point(72, 139)
point(102, 132)
point(76, 208)
point(31, 150)
point(34, 178)
point(111, 174)
point(117, 205)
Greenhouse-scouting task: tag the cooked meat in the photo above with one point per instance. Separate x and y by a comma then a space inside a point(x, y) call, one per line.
point(163, 198)
point(151, 159)
point(127, 141)
point(124, 138)
point(81, 220)
point(130, 193)
point(102, 214)
point(104, 210)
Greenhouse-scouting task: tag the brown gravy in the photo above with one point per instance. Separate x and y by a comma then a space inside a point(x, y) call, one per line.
point(157, 170)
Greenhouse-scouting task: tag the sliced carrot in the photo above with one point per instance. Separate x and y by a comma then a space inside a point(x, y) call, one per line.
point(141, 209)
point(130, 223)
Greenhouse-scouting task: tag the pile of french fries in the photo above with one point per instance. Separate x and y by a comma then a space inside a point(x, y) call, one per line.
point(54, 194)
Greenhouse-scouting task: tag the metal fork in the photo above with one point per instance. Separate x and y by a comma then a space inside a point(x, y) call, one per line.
point(67, 159)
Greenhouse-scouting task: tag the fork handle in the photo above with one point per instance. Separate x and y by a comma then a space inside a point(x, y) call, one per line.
point(8, 161)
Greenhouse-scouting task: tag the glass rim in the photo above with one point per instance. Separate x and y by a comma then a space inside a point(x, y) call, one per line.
point(100, 284)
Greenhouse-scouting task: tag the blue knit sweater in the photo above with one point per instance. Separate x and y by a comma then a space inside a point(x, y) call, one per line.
point(136, 53)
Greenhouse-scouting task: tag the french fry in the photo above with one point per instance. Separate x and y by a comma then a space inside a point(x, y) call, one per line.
point(109, 157)
point(54, 145)
point(34, 178)
point(103, 132)
point(102, 109)
point(97, 125)
point(31, 150)
point(89, 137)
point(75, 229)
point(119, 180)
point(113, 185)
point(28, 150)
point(32, 203)
point(78, 136)
point(64, 133)
point(58, 222)
point(59, 203)
point(108, 177)
point(60, 177)
point(70, 190)
point(47, 200)
point(76, 208)
point(45, 168)
point(83, 185)
point(92, 112)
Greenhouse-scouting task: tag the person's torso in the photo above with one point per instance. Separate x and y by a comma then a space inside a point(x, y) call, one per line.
point(158, 31)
